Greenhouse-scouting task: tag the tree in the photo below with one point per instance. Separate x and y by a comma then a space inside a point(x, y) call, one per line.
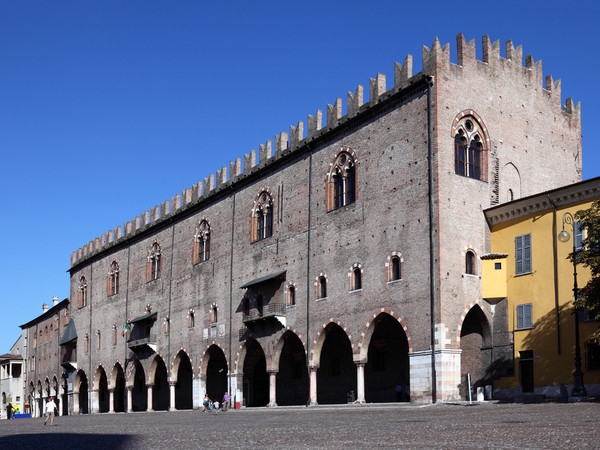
point(589, 256)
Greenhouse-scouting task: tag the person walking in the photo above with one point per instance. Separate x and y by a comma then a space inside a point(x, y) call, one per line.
point(50, 410)
point(9, 410)
point(226, 400)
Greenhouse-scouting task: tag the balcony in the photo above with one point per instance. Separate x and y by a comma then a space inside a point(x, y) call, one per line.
point(68, 356)
point(148, 340)
point(271, 310)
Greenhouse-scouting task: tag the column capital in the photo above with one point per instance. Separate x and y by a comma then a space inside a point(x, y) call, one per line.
point(172, 383)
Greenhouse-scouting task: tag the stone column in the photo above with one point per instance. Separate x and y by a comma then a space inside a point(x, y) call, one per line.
point(75, 402)
point(313, 385)
point(360, 382)
point(111, 401)
point(172, 395)
point(149, 408)
point(272, 388)
point(95, 403)
point(129, 399)
point(62, 399)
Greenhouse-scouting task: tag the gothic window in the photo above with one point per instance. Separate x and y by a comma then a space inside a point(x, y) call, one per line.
point(202, 242)
point(262, 217)
point(470, 263)
point(355, 277)
point(469, 148)
point(394, 267)
point(191, 319)
point(213, 314)
point(98, 340)
point(112, 282)
point(291, 295)
point(82, 293)
point(341, 180)
point(322, 286)
point(153, 263)
point(34, 340)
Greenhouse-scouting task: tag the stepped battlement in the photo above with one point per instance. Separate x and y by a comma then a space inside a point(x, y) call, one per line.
point(435, 60)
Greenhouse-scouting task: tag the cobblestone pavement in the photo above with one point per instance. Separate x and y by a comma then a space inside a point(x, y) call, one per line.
point(489, 425)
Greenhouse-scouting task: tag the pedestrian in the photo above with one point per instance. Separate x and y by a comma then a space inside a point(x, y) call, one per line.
point(50, 410)
point(206, 403)
point(226, 400)
point(9, 410)
point(216, 407)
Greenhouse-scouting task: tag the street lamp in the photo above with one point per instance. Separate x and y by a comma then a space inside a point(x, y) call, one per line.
point(563, 236)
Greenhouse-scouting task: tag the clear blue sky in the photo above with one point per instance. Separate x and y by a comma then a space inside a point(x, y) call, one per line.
point(108, 108)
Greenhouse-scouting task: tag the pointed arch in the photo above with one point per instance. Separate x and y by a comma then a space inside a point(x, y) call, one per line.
point(510, 183)
point(273, 363)
point(315, 354)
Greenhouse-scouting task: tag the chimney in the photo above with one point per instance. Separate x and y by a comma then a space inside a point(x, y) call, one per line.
point(45, 307)
point(54, 300)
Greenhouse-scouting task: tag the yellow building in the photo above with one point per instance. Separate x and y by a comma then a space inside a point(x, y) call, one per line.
point(528, 268)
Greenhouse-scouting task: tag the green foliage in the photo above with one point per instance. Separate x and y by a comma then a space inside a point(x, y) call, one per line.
point(589, 256)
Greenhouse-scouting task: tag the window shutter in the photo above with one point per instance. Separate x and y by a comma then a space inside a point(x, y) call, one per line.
point(148, 270)
point(527, 253)
point(196, 252)
point(519, 317)
point(109, 285)
point(578, 236)
point(519, 254)
point(527, 316)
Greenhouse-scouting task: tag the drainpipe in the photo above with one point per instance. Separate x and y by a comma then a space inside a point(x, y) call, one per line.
point(170, 290)
point(308, 262)
point(231, 295)
point(555, 266)
point(431, 239)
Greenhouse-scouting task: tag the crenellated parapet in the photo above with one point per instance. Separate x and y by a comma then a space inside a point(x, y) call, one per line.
point(435, 61)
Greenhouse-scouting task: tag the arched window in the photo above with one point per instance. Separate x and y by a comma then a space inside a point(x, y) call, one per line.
point(469, 148)
point(356, 277)
point(114, 334)
point(214, 314)
point(82, 293)
point(112, 284)
point(86, 343)
point(291, 295)
point(470, 263)
point(341, 180)
point(153, 263)
point(395, 272)
point(322, 287)
point(262, 217)
point(202, 242)
point(191, 319)
point(98, 340)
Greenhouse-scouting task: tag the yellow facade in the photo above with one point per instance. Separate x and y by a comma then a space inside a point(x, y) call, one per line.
point(544, 351)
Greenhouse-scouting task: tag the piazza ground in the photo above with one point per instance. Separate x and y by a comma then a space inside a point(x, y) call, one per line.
point(548, 425)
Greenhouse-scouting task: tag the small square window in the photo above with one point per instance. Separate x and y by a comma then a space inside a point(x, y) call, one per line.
point(498, 266)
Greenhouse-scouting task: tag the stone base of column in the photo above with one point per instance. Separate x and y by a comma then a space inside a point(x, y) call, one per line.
point(447, 362)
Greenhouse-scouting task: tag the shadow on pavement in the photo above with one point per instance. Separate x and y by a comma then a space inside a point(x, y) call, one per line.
point(67, 440)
